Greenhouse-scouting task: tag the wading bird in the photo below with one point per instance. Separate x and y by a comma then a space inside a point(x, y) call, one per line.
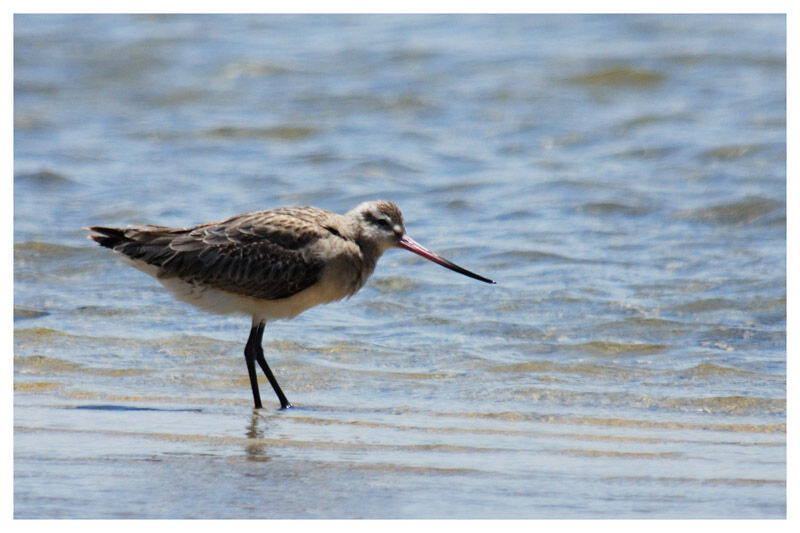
point(268, 264)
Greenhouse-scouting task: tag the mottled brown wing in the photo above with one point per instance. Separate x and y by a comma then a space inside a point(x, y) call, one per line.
point(264, 254)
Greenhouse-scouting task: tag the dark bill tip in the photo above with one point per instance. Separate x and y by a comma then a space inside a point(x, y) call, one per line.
point(413, 246)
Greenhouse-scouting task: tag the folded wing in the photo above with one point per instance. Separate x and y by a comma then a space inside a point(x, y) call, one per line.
point(263, 254)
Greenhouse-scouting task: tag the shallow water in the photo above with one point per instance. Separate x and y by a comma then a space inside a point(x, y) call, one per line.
point(622, 178)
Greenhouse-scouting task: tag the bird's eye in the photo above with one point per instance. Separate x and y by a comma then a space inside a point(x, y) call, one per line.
point(380, 222)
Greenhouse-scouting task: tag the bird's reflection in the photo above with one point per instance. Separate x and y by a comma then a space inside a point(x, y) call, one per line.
point(260, 433)
point(256, 447)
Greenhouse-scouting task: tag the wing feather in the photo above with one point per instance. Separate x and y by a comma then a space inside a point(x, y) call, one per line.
point(263, 254)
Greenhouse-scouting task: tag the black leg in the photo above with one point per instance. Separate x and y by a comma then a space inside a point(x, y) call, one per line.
point(250, 359)
point(254, 342)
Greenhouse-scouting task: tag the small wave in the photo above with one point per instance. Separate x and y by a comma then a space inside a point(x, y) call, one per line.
point(412, 55)
point(650, 480)
point(43, 334)
point(732, 405)
point(36, 386)
point(645, 327)
point(343, 347)
point(708, 304)
point(286, 133)
point(20, 314)
point(385, 166)
point(735, 151)
point(253, 69)
point(30, 248)
point(736, 213)
point(614, 208)
point(181, 345)
point(394, 284)
point(625, 455)
point(319, 157)
point(534, 256)
point(704, 370)
point(514, 416)
point(43, 178)
point(40, 364)
point(650, 119)
point(622, 76)
point(550, 367)
point(108, 407)
point(406, 469)
point(646, 153)
point(619, 348)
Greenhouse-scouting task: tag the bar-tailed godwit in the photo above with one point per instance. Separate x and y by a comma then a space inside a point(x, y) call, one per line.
point(268, 264)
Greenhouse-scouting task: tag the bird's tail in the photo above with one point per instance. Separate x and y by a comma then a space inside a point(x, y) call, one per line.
point(151, 244)
point(109, 237)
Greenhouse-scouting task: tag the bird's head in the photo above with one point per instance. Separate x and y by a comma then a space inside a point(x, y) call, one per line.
point(381, 225)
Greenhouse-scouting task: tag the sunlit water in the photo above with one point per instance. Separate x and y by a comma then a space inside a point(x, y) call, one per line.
point(622, 178)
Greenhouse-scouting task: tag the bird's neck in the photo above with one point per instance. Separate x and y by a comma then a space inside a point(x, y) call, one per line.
point(370, 253)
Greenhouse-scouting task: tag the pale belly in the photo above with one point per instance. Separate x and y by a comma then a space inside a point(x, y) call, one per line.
point(223, 302)
point(339, 280)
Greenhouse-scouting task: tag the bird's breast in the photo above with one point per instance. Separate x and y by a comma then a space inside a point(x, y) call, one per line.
point(346, 269)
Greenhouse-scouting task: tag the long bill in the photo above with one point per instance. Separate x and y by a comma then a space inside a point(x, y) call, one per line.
point(413, 246)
